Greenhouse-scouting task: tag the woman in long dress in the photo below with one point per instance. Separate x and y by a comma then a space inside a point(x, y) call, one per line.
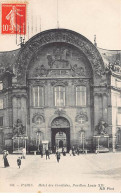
point(5, 154)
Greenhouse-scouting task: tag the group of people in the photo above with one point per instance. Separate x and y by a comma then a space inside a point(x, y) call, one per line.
point(6, 153)
point(73, 151)
point(47, 152)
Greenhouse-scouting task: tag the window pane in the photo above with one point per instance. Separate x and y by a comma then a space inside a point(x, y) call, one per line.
point(41, 96)
point(59, 96)
point(80, 95)
point(38, 96)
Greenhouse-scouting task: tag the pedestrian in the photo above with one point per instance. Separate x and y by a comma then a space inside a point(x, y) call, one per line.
point(63, 151)
point(41, 152)
point(19, 162)
point(58, 156)
point(73, 151)
point(54, 149)
point(5, 154)
point(70, 152)
point(24, 153)
point(77, 151)
point(47, 154)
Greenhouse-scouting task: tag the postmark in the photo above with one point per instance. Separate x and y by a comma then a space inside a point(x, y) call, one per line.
point(13, 19)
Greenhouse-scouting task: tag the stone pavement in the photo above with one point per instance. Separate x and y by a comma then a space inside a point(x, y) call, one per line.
point(83, 173)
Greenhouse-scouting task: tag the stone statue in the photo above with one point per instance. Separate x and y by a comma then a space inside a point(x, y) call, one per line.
point(18, 128)
point(114, 67)
point(100, 128)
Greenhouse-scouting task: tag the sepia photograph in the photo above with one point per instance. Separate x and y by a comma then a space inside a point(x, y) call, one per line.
point(60, 96)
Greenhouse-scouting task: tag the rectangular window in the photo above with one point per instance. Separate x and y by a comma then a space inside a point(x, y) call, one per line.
point(80, 96)
point(38, 96)
point(1, 121)
point(59, 92)
point(1, 103)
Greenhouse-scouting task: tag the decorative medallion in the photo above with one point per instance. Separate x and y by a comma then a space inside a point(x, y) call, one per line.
point(81, 118)
point(38, 119)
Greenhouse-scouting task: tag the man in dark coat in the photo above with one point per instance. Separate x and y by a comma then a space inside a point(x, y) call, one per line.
point(58, 156)
point(19, 162)
point(41, 151)
point(47, 154)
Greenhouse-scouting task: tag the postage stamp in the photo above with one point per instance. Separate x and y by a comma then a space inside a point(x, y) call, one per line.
point(13, 19)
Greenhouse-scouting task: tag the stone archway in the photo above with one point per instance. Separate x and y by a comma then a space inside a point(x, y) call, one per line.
point(58, 36)
point(60, 133)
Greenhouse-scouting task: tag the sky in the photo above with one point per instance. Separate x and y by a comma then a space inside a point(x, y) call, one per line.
point(87, 17)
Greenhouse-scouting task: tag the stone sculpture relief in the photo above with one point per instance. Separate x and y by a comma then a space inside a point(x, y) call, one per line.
point(18, 128)
point(60, 122)
point(100, 128)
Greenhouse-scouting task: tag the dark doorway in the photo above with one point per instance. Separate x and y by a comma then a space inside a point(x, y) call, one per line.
point(61, 143)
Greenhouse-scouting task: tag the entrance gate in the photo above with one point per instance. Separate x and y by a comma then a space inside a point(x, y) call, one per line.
point(60, 133)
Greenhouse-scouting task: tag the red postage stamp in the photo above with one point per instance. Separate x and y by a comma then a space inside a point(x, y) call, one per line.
point(13, 19)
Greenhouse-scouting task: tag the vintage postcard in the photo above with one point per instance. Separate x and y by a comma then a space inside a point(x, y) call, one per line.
point(60, 96)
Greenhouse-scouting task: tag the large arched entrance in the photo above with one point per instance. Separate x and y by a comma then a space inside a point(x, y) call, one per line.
point(60, 133)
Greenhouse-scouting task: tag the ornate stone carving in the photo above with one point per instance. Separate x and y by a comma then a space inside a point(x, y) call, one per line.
point(38, 118)
point(60, 122)
point(18, 128)
point(59, 82)
point(100, 128)
point(57, 73)
point(40, 71)
point(81, 117)
point(59, 35)
point(38, 82)
point(60, 112)
point(113, 67)
point(78, 70)
point(80, 82)
point(59, 58)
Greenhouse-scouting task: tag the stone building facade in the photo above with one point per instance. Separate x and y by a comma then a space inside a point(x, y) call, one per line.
point(58, 87)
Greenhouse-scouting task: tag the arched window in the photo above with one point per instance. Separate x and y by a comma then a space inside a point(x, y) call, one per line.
point(38, 96)
point(80, 96)
point(59, 94)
